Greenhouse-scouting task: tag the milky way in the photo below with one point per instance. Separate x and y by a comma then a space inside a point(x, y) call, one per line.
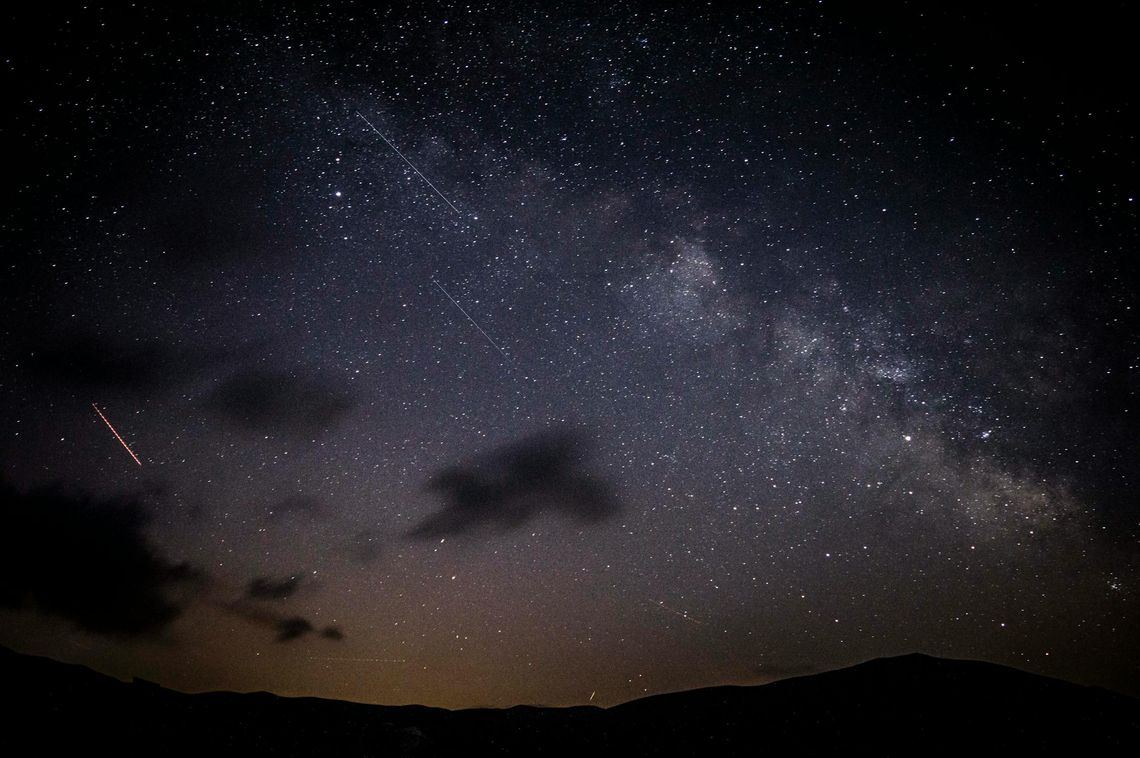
point(808, 339)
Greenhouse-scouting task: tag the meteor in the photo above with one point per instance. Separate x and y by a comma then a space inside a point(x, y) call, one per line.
point(468, 315)
point(120, 439)
point(397, 151)
point(683, 614)
point(358, 660)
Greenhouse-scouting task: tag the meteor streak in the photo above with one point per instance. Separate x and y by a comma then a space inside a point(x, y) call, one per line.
point(120, 439)
point(683, 614)
point(397, 151)
point(358, 660)
point(468, 315)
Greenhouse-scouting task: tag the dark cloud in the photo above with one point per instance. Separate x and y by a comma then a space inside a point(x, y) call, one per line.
point(276, 402)
point(89, 361)
point(366, 546)
point(294, 505)
point(177, 234)
point(286, 627)
point(507, 487)
point(88, 561)
point(295, 627)
point(292, 628)
point(264, 588)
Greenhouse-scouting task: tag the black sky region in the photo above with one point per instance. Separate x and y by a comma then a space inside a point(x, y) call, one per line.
point(635, 348)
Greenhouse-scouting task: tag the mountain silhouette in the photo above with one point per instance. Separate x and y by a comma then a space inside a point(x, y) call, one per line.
point(908, 705)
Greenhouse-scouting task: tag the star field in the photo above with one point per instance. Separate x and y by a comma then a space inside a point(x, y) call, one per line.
point(672, 348)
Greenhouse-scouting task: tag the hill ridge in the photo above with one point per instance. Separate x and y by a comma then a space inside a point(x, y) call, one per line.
point(897, 705)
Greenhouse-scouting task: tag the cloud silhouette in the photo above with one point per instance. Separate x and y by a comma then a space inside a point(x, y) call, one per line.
point(507, 487)
point(286, 627)
point(292, 628)
point(264, 588)
point(88, 561)
point(176, 237)
point(84, 360)
point(294, 505)
point(275, 402)
point(365, 546)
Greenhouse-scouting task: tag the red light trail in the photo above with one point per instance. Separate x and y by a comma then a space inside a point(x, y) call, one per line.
point(120, 439)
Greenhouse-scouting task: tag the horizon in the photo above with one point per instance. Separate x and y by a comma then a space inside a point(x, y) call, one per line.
point(894, 659)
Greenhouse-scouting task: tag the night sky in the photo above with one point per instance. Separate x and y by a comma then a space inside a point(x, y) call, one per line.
point(484, 355)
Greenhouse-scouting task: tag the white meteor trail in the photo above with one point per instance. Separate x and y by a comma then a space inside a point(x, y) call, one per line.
point(397, 151)
point(120, 439)
point(468, 315)
point(683, 614)
point(358, 660)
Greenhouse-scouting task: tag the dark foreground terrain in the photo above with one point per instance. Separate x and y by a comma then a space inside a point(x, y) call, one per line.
point(911, 705)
